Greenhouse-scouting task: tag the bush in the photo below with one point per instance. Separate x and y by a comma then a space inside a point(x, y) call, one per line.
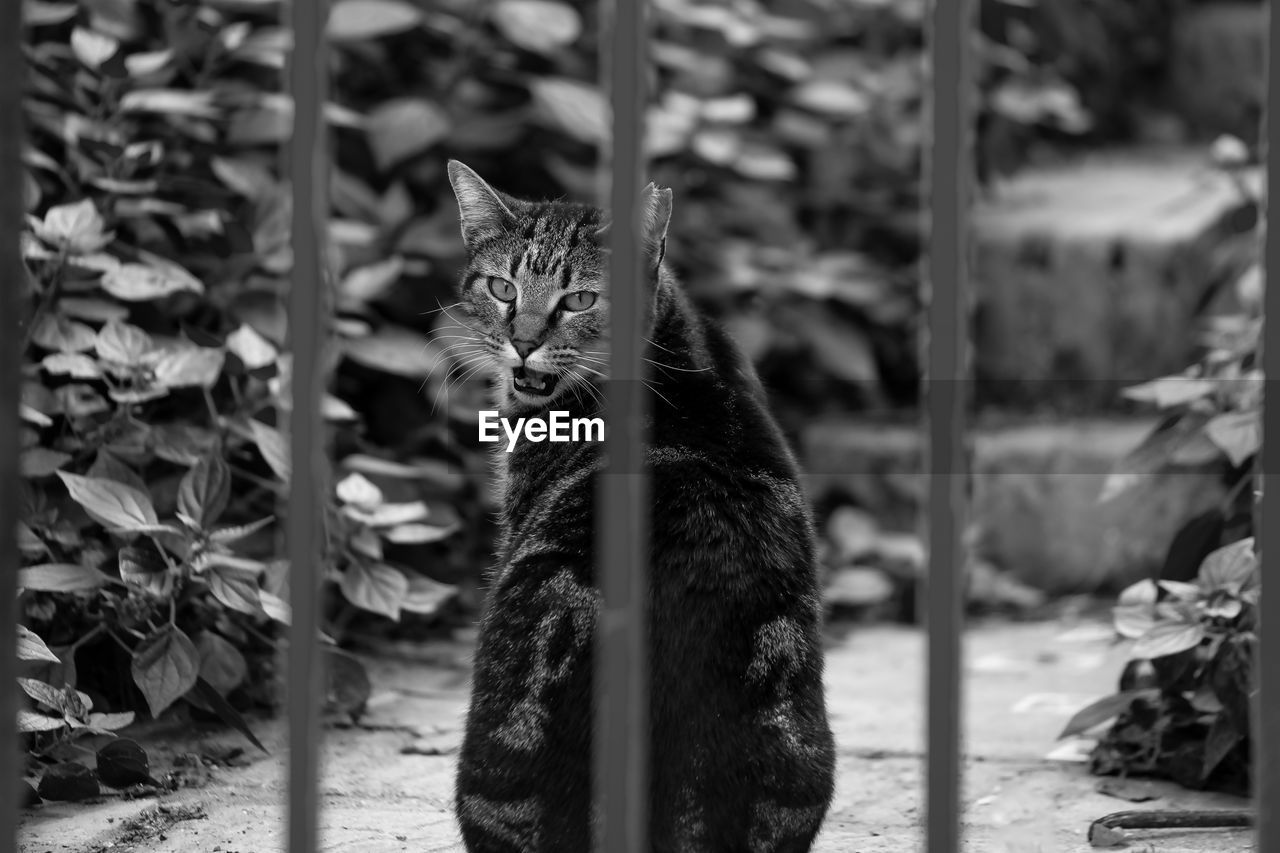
point(157, 376)
point(1183, 705)
point(157, 381)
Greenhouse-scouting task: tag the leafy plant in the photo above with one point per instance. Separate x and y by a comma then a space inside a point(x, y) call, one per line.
point(156, 392)
point(1186, 715)
point(1186, 718)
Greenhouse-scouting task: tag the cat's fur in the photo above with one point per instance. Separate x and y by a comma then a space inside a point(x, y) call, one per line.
point(742, 757)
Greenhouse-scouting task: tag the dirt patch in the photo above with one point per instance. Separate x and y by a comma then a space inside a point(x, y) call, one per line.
point(152, 825)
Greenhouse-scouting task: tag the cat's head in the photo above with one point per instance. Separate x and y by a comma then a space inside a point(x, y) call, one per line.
point(536, 287)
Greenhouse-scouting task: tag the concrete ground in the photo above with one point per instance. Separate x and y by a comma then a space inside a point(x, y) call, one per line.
point(383, 790)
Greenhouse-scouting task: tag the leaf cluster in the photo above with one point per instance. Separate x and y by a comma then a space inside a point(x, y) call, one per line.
point(1185, 714)
point(157, 379)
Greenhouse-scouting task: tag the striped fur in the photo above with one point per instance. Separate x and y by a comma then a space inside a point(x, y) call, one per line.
point(742, 757)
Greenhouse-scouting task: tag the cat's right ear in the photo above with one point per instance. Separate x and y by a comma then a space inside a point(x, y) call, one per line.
point(483, 211)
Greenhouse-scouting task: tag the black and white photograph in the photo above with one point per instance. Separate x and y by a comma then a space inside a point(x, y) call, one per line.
point(636, 426)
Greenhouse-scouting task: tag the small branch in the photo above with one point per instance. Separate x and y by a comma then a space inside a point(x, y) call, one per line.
point(1105, 831)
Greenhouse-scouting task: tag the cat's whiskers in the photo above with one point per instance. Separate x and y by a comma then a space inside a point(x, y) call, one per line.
point(472, 364)
point(441, 308)
point(673, 367)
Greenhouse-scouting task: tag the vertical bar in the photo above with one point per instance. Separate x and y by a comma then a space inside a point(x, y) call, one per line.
point(621, 748)
point(307, 165)
point(12, 306)
point(1266, 707)
point(946, 389)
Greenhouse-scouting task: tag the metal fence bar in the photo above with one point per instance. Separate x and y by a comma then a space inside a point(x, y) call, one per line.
point(946, 391)
point(308, 170)
point(13, 75)
point(622, 708)
point(1266, 708)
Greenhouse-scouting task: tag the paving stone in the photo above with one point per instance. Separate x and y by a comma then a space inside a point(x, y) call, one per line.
point(1090, 275)
point(1035, 495)
point(375, 799)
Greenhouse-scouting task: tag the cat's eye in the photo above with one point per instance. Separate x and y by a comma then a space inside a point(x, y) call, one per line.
point(579, 300)
point(502, 289)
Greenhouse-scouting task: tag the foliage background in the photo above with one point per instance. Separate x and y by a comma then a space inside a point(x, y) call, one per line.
point(158, 371)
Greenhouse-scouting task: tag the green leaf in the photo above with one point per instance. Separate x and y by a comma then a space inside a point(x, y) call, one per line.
point(205, 490)
point(61, 577)
point(1168, 638)
point(31, 647)
point(541, 26)
point(107, 466)
point(227, 535)
point(356, 20)
point(355, 489)
point(96, 310)
point(67, 702)
point(375, 587)
point(276, 607)
point(142, 565)
point(57, 333)
point(122, 763)
point(183, 102)
point(395, 350)
point(143, 283)
point(274, 448)
point(188, 367)
point(165, 666)
point(1218, 743)
point(367, 283)
point(253, 350)
point(419, 534)
point(36, 462)
point(1230, 567)
point(69, 782)
point(30, 721)
point(1171, 391)
point(833, 98)
point(204, 692)
point(38, 13)
point(92, 48)
point(1102, 710)
point(74, 364)
point(1157, 451)
point(123, 344)
point(221, 663)
point(402, 128)
point(426, 596)
point(77, 227)
point(110, 722)
point(1238, 434)
point(572, 107)
point(236, 588)
point(113, 505)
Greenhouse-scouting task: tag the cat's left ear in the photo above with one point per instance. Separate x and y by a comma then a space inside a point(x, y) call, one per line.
point(485, 212)
point(655, 216)
point(655, 207)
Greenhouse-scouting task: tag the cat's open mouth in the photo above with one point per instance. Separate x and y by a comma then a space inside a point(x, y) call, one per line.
point(534, 383)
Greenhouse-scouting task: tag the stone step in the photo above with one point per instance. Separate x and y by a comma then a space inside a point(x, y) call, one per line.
point(1091, 275)
point(1036, 512)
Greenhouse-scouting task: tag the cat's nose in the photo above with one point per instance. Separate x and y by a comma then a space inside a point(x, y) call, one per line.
point(523, 348)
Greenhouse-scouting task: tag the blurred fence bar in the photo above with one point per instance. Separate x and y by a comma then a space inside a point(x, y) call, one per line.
point(308, 169)
point(622, 707)
point(946, 390)
point(1266, 706)
point(12, 307)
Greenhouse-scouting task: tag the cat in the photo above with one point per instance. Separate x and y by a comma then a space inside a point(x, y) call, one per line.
point(741, 754)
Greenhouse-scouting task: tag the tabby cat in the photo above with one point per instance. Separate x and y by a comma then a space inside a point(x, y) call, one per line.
point(741, 757)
